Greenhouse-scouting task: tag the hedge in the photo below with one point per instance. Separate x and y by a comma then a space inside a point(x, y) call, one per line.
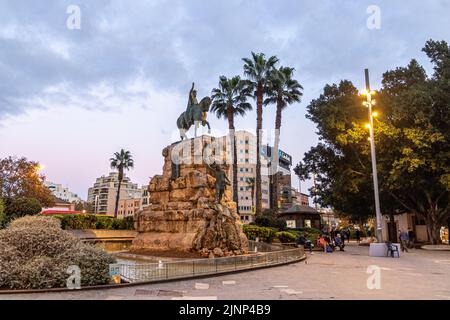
point(96, 222)
point(286, 237)
point(267, 234)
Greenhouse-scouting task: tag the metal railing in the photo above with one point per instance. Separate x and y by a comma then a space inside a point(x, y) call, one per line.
point(266, 255)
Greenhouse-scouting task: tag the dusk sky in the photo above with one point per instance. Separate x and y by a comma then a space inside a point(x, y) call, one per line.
point(70, 98)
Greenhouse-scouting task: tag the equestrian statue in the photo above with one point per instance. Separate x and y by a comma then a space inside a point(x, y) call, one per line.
point(195, 114)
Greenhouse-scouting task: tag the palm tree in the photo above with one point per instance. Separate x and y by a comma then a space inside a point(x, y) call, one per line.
point(282, 90)
point(251, 184)
point(228, 101)
point(258, 69)
point(121, 161)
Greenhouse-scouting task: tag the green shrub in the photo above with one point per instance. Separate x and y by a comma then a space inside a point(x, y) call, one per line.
point(20, 207)
point(310, 233)
point(271, 221)
point(309, 230)
point(286, 237)
point(35, 254)
point(94, 222)
point(263, 233)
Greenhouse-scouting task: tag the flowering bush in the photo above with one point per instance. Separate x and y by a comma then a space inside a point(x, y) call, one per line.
point(35, 254)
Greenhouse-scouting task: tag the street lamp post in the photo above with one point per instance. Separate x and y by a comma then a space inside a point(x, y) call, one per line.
point(369, 104)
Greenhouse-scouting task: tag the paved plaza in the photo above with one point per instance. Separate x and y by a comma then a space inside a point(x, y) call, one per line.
point(419, 274)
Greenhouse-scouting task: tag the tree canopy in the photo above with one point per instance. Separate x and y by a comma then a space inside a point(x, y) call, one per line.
point(412, 137)
point(20, 177)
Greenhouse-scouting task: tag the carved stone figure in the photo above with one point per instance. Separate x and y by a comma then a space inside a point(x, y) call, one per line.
point(221, 180)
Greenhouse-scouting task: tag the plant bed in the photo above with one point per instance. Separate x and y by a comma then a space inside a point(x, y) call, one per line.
point(35, 253)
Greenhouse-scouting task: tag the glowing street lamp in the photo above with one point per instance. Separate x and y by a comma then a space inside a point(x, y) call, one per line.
point(369, 104)
point(39, 168)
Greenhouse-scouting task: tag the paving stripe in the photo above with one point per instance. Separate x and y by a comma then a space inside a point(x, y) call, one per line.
point(291, 292)
point(195, 298)
point(228, 283)
point(202, 286)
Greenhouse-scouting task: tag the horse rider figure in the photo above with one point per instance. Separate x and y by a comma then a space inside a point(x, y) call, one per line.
point(195, 114)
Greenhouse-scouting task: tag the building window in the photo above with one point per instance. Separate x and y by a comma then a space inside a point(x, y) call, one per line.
point(291, 224)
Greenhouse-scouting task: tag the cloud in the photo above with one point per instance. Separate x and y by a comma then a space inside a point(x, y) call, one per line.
point(127, 53)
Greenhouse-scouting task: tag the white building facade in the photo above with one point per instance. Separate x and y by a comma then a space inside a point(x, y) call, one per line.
point(61, 192)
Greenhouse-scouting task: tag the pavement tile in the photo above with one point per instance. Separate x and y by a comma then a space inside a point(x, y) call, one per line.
point(202, 286)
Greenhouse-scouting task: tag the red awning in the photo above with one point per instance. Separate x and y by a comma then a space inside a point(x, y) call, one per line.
point(59, 212)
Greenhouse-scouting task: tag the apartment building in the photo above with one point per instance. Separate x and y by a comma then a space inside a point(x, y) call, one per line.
point(246, 156)
point(128, 207)
point(102, 195)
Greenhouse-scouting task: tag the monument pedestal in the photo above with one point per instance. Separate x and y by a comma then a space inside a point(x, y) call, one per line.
point(183, 215)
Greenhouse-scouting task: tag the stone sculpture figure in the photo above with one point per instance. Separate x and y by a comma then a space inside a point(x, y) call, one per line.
point(221, 180)
point(195, 114)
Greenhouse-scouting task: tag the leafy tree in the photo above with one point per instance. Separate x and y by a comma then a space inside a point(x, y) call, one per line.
point(229, 101)
point(84, 206)
point(121, 161)
point(282, 90)
point(412, 139)
point(21, 178)
point(258, 70)
point(269, 219)
point(20, 207)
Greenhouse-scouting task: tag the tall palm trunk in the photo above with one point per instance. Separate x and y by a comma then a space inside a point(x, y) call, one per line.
point(253, 196)
point(231, 128)
point(275, 156)
point(116, 209)
point(259, 111)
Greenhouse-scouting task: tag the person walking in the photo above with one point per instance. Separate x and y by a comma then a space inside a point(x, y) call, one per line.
point(348, 235)
point(404, 239)
point(358, 236)
point(411, 236)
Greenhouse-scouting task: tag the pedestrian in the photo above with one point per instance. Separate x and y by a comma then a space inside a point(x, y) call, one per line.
point(358, 236)
point(404, 239)
point(348, 235)
point(339, 242)
point(332, 233)
point(411, 236)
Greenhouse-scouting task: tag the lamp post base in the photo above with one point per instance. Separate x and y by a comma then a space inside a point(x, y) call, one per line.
point(380, 249)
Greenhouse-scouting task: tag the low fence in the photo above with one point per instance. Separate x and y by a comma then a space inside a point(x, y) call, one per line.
point(266, 255)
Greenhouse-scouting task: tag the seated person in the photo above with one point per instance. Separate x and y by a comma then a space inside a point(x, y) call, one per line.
point(339, 242)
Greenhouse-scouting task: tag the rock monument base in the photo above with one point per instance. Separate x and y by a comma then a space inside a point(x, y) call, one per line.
point(183, 215)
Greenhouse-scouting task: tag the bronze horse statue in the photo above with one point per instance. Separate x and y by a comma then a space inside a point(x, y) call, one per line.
point(195, 114)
